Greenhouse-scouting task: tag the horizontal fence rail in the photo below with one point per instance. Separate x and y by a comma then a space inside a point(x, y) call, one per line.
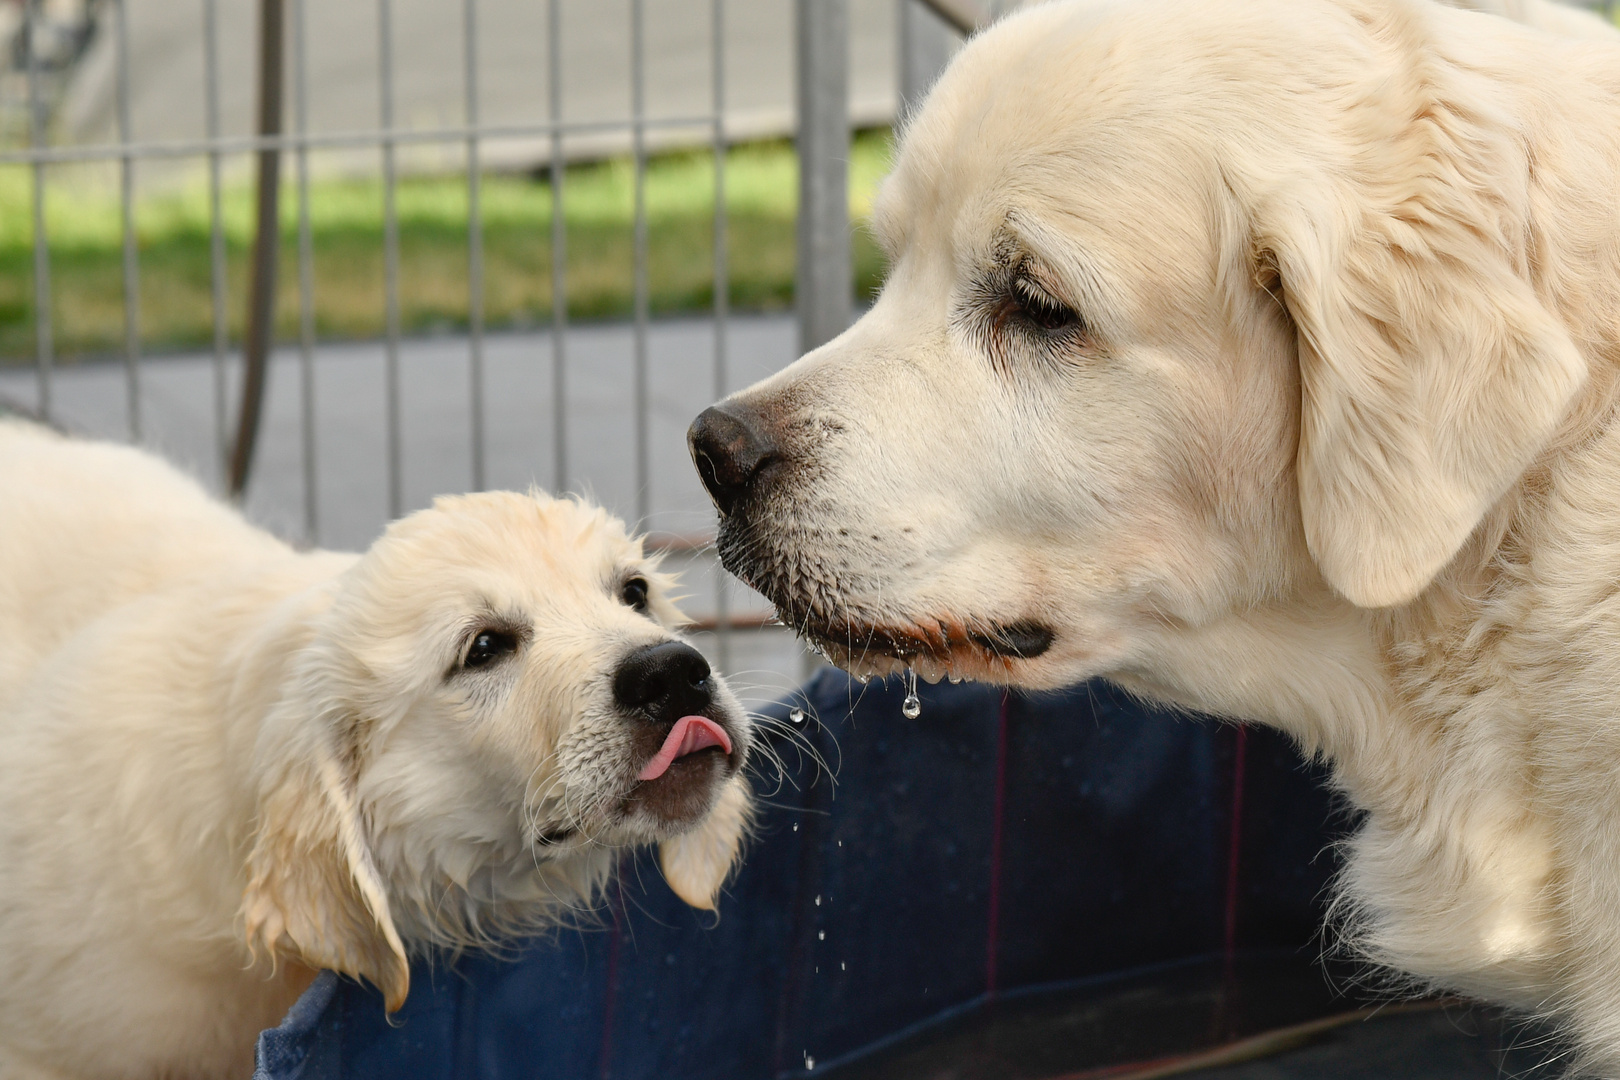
point(235, 144)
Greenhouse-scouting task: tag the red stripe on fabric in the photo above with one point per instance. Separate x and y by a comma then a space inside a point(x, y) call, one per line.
point(616, 905)
point(999, 813)
point(1234, 850)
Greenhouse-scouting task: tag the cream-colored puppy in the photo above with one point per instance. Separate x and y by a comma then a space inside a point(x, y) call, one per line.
point(1261, 355)
point(225, 763)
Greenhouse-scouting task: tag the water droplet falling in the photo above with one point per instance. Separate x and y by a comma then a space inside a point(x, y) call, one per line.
point(911, 708)
point(796, 715)
point(842, 966)
point(821, 935)
point(809, 1062)
point(818, 900)
point(795, 826)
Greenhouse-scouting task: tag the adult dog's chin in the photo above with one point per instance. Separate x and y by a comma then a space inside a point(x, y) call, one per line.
point(941, 647)
point(812, 598)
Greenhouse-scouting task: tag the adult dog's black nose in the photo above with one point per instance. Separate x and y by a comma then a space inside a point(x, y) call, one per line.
point(729, 449)
point(664, 682)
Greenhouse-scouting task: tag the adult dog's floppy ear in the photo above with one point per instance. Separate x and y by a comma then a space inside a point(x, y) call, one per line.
point(313, 888)
point(697, 863)
point(1431, 374)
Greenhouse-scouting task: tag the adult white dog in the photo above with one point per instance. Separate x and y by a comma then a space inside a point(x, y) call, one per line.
point(225, 763)
point(1260, 355)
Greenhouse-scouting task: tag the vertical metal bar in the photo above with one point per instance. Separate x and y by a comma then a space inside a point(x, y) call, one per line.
point(475, 251)
point(261, 315)
point(926, 44)
point(126, 196)
point(306, 282)
point(722, 295)
point(559, 258)
point(44, 345)
point(722, 271)
point(963, 16)
point(216, 229)
point(909, 12)
point(385, 74)
point(638, 132)
point(823, 281)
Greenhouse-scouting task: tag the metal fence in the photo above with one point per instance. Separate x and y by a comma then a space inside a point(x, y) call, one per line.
point(285, 143)
point(272, 142)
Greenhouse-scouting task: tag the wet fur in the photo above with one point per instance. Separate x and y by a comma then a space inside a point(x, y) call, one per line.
point(1334, 449)
point(225, 764)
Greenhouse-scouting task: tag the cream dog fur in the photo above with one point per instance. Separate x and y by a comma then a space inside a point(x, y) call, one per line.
point(224, 763)
point(1260, 355)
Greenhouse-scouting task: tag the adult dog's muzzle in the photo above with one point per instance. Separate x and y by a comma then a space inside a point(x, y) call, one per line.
point(731, 448)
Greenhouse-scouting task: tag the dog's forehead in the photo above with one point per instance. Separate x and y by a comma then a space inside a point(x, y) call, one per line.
point(1015, 95)
point(1089, 123)
point(507, 543)
point(1039, 111)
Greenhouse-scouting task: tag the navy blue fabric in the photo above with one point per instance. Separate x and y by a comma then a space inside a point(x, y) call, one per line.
point(295, 1050)
point(999, 842)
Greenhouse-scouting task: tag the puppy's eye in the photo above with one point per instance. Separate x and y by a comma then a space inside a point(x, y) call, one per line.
point(1042, 308)
point(634, 593)
point(489, 646)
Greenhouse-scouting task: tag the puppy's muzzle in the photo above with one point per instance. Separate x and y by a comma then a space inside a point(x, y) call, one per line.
point(667, 687)
point(731, 448)
point(662, 683)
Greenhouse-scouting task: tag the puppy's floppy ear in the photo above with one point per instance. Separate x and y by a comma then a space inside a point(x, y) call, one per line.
point(312, 884)
point(697, 863)
point(1431, 374)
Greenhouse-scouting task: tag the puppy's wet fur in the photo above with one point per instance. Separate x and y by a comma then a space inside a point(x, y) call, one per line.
point(225, 764)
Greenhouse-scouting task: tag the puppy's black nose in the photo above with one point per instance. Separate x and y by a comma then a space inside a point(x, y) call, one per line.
point(729, 448)
point(665, 682)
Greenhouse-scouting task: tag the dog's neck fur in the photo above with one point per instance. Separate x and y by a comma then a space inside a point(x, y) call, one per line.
point(1433, 718)
point(1394, 711)
point(1476, 724)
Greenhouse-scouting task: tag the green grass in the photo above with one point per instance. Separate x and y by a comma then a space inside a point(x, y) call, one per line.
point(85, 232)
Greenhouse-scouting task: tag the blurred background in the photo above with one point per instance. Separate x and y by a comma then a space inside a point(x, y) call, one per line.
point(338, 258)
point(361, 254)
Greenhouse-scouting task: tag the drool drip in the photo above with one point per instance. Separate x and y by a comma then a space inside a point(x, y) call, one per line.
point(911, 708)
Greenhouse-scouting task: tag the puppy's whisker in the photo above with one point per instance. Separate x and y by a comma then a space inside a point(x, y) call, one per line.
point(801, 744)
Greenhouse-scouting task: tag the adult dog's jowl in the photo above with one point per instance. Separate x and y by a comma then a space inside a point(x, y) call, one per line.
point(1260, 355)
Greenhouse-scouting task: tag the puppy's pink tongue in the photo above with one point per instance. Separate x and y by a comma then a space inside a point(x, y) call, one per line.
point(689, 735)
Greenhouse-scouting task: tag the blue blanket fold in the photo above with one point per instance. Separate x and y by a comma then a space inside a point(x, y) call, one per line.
point(998, 845)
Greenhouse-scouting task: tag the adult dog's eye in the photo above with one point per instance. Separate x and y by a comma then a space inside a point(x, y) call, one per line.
point(488, 647)
point(1042, 308)
point(634, 593)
